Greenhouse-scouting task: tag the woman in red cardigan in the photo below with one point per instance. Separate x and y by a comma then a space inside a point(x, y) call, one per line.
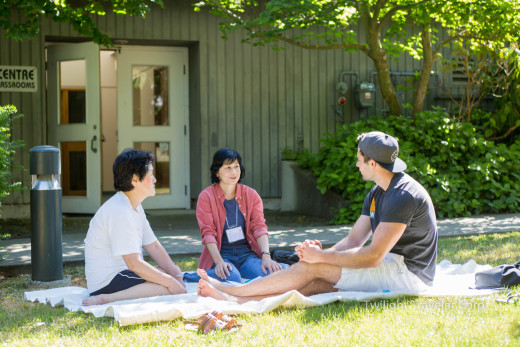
point(232, 224)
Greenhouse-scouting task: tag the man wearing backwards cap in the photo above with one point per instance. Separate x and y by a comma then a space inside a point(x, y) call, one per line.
point(397, 212)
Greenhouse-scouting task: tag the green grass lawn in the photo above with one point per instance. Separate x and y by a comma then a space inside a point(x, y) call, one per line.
point(405, 321)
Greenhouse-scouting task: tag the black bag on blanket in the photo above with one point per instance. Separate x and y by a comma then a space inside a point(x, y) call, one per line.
point(285, 256)
point(498, 277)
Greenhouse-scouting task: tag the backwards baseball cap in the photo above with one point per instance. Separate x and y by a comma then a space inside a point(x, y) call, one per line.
point(384, 149)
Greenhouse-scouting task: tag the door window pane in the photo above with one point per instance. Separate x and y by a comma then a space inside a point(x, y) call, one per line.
point(74, 168)
point(161, 169)
point(150, 95)
point(72, 96)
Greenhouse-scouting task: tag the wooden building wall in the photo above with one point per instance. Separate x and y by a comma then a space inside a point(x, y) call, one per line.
point(31, 127)
point(253, 99)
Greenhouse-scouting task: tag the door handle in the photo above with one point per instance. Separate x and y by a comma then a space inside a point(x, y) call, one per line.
point(94, 149)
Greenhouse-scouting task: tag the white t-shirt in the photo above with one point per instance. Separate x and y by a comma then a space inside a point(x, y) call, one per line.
point(115, 230)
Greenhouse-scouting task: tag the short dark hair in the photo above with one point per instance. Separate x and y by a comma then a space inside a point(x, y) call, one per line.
point(129, 162)
point(366, 158)
point(222, 157)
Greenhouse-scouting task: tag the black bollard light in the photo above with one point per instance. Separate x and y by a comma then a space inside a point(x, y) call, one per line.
point(46, 226)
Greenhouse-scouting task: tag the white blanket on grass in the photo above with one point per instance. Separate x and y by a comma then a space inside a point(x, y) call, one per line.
point(450, 280)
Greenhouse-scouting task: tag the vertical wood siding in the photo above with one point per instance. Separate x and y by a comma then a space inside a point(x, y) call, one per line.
point(31, 127)
point(253, 99)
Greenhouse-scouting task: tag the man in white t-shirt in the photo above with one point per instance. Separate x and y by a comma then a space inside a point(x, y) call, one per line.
point(118, 232)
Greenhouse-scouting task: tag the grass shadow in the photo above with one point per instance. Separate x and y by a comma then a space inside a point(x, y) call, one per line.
point(342, 309)
point(493, 249)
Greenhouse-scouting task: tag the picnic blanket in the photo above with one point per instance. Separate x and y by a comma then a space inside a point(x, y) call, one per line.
point(450, 280)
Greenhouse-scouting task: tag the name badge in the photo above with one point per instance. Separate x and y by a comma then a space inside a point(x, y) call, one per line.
point(235, 234)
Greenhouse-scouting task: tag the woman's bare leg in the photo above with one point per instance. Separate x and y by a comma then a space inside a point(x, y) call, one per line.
point(142, 290)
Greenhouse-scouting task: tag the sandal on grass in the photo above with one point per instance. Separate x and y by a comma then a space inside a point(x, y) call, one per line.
point(511, 299)
point(213, 321)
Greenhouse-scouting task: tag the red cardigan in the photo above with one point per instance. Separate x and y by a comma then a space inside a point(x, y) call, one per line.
point(211, 216)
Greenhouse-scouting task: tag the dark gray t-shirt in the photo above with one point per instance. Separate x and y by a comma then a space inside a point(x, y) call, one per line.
point(407, 202)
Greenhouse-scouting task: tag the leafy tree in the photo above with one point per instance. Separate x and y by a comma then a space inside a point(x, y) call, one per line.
point(507, 115)
point(485, 73)
point(20, 19)
point(7, 149)
point(489, 71)
point(390, 27)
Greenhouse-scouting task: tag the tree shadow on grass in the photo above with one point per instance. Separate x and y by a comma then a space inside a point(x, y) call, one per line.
point(30, 320)
point(515, 329)
point(493, 249)
point(36, 321)
point(340, 309)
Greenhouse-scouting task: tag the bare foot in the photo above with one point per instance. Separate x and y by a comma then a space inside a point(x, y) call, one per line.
point(207, 290)
point(93, 300)
point(213, 281)
point(203, 274)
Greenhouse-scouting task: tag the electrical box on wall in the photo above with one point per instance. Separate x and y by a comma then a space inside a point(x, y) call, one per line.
point(365, 95)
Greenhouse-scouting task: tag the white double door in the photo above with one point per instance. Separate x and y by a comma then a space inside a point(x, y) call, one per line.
point(151, 88)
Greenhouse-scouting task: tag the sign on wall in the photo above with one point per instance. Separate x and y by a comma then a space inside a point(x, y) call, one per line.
point(18, 78)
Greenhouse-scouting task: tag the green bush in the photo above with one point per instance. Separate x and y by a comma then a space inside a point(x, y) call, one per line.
point(7, 149)
point(502, 79)
point(464, 173)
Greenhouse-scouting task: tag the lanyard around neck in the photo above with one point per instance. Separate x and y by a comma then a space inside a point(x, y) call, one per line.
point(236, 215)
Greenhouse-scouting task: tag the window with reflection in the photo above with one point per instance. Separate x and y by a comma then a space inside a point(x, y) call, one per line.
point(150, 95)
point(74, 168)
point(73, 108)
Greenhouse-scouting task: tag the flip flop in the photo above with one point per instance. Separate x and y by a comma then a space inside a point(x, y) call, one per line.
point(213, 321)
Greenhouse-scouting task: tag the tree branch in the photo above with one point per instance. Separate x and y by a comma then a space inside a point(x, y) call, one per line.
point(231, 15)
point(391, 12)
point(378, 7)
point(316, 47)
point(462, 36)
point(445, 42)
point(260, 35)
point(509, 131)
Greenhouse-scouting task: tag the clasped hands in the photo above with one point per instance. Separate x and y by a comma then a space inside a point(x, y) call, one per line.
point(309, 251)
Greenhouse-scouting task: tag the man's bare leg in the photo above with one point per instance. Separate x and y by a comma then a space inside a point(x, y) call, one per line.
point(318, 287)
point(207, 290)
point(298, 276)
point(142, 290)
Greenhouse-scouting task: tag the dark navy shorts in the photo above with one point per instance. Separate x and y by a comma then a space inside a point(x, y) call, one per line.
point(123, 280)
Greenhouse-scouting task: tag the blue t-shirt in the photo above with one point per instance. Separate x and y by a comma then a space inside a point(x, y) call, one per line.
point(407, 202)
point(234, 218)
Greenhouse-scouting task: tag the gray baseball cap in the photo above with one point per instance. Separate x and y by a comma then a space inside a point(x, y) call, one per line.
point(384, 149)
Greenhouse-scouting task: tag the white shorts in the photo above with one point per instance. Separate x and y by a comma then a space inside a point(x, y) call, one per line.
point(391, 275)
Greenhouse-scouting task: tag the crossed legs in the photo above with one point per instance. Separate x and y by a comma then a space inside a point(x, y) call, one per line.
point(305, 277)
